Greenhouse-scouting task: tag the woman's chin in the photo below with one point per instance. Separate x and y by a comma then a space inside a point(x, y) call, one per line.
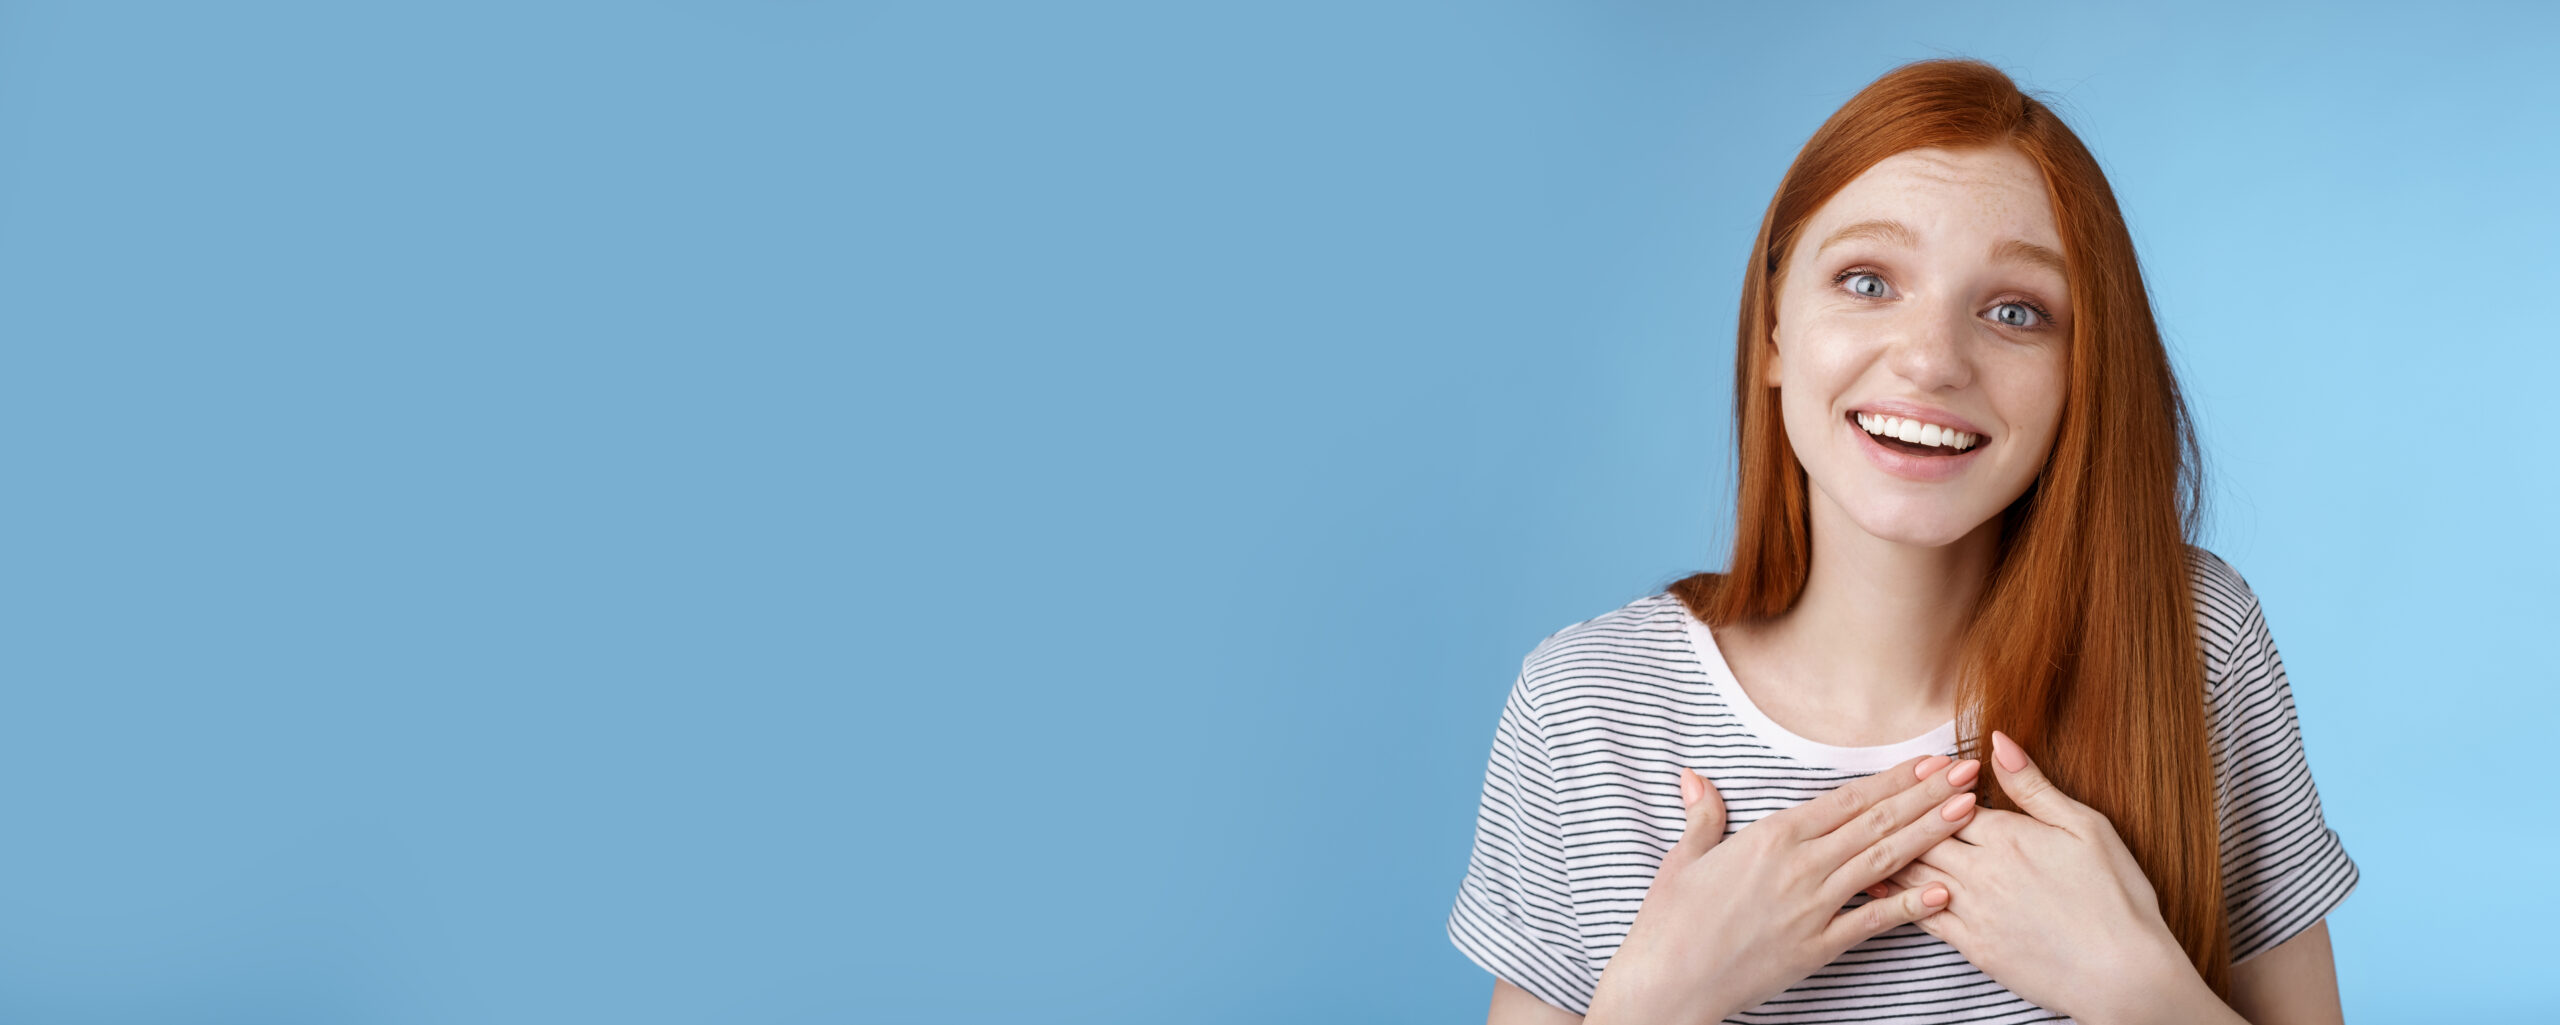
point(1932, 528)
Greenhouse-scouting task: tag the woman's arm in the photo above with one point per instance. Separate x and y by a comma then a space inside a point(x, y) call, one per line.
point(2294, 984)
point(1514, 1006)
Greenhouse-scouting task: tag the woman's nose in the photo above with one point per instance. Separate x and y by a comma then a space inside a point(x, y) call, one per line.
point(1930, 349)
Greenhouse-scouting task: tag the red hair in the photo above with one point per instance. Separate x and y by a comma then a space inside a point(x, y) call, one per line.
point(2083, 646)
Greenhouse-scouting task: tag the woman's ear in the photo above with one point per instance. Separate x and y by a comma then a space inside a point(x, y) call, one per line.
point(1770, 371)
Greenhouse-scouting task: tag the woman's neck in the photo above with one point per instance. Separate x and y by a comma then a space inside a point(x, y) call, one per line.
point(1872, 645)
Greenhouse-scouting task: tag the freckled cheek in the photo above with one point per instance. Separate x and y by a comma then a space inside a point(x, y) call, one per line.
point(2027, 390)
point(1826, 363)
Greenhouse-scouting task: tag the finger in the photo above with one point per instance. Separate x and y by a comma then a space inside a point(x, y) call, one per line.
point(1948, 926)
point(1921, 874)
point(1827, 812)
point(1995, 825)
point(2027, 786)
point(1890, 816)
point(1885, 889)
point(1705, 805)
point(1849, 927)
point(1953, 854)
point(1886, 856)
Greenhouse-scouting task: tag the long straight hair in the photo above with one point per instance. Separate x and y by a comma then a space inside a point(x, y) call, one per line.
point(2083, 645)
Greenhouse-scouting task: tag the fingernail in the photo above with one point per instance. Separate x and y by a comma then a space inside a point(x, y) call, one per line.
point(1929, 766)
point(1936, 896)
point(1688, 787)
point(1956, 807)
point(1964, 772)
point(2011, 756)
point(1876, 891)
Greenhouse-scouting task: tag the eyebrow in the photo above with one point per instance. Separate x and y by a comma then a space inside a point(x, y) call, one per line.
point(1880, 231)
point(1897, 233)
point(2023, 251)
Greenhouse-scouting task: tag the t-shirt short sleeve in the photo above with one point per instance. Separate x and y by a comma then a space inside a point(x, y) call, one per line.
point(2283, 868)
point(1515, 912)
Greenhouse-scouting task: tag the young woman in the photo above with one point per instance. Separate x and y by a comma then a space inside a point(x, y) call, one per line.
point(1967, 480)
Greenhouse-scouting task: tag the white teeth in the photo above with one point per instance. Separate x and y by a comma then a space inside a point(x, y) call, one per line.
point(1915, 432)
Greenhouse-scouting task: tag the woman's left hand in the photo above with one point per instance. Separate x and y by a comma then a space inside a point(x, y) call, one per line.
point(2051, 903)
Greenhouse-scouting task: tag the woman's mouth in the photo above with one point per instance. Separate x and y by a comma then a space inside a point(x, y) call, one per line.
point(1935, 453)
point(1916, 437)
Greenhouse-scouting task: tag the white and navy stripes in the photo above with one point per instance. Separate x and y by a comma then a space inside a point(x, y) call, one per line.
point(1581, 803)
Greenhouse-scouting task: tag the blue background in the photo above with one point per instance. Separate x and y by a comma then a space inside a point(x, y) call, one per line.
point(797, 512)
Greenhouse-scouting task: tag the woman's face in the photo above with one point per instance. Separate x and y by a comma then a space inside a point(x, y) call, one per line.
point(1926, 300)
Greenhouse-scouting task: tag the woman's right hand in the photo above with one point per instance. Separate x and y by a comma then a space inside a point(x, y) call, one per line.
point(1729, 923)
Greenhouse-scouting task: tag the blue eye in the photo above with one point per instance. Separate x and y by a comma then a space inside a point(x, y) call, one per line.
point(1864, 283)
point(2014, 314)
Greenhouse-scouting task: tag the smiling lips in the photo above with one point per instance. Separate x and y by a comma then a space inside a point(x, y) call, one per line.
point(1914, 436)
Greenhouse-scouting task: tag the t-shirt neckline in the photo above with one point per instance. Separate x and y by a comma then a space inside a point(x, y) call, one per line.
point(1862, 760)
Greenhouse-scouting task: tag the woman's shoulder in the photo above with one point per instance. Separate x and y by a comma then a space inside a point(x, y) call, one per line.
point(1643, 637)
point(2231, 627)
point(2219, 588)
point(2283, 868)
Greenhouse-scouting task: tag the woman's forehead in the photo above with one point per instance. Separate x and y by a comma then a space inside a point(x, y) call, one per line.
point(1924, 194)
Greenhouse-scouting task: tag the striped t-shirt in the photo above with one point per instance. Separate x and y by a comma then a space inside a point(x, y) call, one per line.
point(1581, 803)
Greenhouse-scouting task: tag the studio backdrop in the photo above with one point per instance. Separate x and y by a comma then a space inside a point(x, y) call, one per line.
point(880, 512)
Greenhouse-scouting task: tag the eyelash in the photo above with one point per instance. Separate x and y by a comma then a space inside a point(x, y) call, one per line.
point(2044, 317)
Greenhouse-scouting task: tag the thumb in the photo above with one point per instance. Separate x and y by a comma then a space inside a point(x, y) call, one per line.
point(1854, 925)
point(1706, 812)
point(2027, 785)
